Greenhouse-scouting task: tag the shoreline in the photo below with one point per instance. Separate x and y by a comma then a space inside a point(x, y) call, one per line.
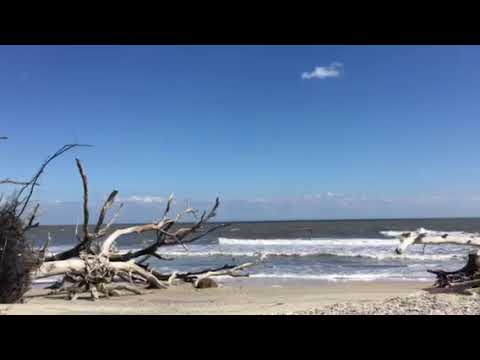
point(238, 297)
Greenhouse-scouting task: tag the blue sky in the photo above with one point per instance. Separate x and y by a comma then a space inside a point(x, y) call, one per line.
point(277, 131)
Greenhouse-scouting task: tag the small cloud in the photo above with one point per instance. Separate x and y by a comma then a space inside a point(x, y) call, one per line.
point(323, 72)
point(326, 195)
point(331, 194)
point(145, 199)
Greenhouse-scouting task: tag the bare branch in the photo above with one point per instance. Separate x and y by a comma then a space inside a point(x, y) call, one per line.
point(181, 233)
point(234, 272)
point(213, 211)
point(15, 182)
point(169, 204)
point(194, 276)
point(86, 235)
point(149, 250)
point(107, 244)
point(164, 238)
point(110, 223)
point(30, 223)
point(33, 182)
point(43, 250)
point(108, 203)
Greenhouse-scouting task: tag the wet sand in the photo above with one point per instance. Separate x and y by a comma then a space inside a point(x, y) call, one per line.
point(246, 296)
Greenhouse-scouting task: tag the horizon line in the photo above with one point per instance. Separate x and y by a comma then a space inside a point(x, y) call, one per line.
point(300, 220)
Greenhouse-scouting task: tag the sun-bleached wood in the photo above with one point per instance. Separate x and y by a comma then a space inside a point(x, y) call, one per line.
point(425, 237)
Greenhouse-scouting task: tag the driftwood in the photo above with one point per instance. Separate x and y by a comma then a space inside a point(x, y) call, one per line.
point(94, 266)
point(196, 277)
point(422, 236)
point(462, 280)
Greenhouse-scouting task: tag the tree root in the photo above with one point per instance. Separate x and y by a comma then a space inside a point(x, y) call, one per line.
point(462, 280)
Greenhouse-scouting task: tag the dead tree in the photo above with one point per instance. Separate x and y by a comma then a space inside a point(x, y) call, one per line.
point(94, 265)
point(462, 280)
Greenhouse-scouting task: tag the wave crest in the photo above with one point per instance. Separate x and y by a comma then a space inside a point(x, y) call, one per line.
point(339, 277)
point(312, 242)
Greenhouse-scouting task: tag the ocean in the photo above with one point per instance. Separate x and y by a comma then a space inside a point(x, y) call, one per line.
point(333, 250)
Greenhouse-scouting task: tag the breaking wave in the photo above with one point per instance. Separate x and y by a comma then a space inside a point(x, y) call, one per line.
point(293, 254)
point(339, 277)
point(312, 242)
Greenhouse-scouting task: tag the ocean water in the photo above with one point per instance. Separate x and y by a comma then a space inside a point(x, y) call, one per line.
point(335, 250)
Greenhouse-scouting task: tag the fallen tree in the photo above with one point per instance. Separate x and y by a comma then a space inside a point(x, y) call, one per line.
point(94, 266)
point(461, 280)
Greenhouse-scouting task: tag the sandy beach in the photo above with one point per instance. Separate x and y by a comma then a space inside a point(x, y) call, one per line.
point(246, 296)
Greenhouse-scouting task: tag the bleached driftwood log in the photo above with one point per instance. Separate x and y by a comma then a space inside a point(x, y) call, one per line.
point(197, 277)
point(461, 280)
point(427, 237)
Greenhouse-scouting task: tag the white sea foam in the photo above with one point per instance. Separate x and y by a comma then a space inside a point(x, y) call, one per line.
point(312, 242)
point(391, 233)
point(339, 277)
point(377, 249)
point(377, 256)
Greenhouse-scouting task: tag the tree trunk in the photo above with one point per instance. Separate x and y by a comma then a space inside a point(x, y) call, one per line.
point(468, 275)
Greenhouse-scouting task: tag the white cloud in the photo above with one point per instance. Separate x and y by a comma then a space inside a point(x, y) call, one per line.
point(326, 195)
point(323, 72)
point(145, 199)
point(331, 194)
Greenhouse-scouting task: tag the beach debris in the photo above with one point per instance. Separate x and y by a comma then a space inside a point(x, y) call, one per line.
point(94, 265)
point(460, 281)
point(205, 283)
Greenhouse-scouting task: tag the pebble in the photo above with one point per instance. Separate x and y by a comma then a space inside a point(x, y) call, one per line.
point(418, 304)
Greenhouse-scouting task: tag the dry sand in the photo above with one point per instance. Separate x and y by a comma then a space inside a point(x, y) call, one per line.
point(246, 296)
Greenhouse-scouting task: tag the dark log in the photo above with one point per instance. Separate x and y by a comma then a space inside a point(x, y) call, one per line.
point(467, 275)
